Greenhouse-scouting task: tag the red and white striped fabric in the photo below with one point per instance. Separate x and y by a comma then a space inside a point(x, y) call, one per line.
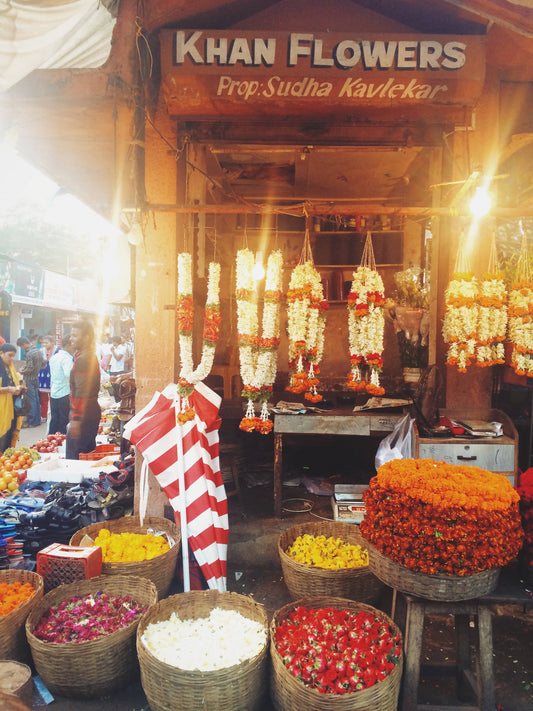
point(154, 432)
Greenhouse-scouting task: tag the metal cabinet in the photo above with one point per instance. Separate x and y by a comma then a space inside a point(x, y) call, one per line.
point(496, 454)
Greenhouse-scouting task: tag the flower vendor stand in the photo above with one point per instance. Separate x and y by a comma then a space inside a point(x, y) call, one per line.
point(239, 687)
point(160, 570)
point(13, 642)
point(290, 693)
point(93, 668)
point(302, 580)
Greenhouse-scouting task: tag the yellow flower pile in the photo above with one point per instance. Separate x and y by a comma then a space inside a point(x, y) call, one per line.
point(322, 552)
point(129, 547)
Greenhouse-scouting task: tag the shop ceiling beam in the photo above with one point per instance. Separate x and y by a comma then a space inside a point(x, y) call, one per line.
point(336, 208)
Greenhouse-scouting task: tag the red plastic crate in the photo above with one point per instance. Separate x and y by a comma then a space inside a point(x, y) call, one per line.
point(60, 564)
point(100, 451)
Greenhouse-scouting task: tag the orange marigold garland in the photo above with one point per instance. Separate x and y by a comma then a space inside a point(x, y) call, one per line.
point(258, 354)
point(434, 517)
point(189, 376)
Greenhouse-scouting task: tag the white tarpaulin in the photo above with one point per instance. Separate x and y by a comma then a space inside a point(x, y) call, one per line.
point(52, 34)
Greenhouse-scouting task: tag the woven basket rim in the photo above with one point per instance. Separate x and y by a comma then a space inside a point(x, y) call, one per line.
point(285, 558)
point(444, 577)
point(338, 603)
point(198, 673)
point(85, 644)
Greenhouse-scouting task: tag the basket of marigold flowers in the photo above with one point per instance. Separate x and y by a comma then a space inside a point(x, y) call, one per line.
point(20, 590)
point(327, 558)
point(149, 550)
point(440, 531)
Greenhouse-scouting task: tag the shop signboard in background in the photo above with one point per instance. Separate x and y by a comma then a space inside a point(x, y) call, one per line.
point(59, 291)
point(5, 303)
point(28, 281)
point(7, 275)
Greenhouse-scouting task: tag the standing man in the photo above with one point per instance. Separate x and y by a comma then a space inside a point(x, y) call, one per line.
point(118, 364)
point(48, 345)
point(60, 366)
point(30, 370)
point(84, 387)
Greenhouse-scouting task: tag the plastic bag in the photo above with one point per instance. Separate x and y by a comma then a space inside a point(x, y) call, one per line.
point(398, 444)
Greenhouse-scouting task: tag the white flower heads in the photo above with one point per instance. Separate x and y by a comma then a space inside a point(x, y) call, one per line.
point(219, 641)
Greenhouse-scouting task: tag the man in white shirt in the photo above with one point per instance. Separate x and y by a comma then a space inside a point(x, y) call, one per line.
point(60, 367)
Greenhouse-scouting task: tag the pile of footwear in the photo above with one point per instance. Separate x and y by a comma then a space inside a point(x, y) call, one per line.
point(45, 512)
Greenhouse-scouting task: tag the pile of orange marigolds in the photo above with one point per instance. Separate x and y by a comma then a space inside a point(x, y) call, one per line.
point(12, 595)
point(434, 517)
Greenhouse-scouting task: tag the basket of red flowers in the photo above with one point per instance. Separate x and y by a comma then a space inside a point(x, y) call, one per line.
point(20, 590)
point(334, 654)
point(82, 635)
point(525, 490)
point(440, 531)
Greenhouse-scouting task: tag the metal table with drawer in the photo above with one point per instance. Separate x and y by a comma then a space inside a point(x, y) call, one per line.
point(496, 454)
point(367, 423)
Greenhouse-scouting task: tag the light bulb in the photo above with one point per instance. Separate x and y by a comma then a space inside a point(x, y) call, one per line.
point(480, 203)
point(258, 271)
point(135, 235)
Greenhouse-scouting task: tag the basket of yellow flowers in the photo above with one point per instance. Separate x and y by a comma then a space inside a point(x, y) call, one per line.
point(327, 558)
point(149, 550)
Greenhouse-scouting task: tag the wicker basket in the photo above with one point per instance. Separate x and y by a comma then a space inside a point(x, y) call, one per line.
point(15, 680)
point(291, 694)
point(159, 570)
point(98, 667)
point(13, 642)
point(8, 702)
point(237, 688)
point(431, 587)
point(304, 580)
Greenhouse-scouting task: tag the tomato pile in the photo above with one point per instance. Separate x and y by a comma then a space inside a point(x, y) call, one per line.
point(337, 651)
point(10, 466)
point(51, 443)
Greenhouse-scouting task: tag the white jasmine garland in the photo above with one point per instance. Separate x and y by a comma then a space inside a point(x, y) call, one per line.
point(521, 327)
point(460, 324)
point(258, 354)
point(223, 639)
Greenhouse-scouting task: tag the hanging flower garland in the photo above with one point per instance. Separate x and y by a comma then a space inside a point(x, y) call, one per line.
point(459, 328)
point(189, 376)
point(366, 324)
point(258, 354)
point(306, 313)
point(521, 316)
point(492, 318)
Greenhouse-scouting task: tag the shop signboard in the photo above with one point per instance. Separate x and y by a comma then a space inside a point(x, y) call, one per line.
point(28, 281)
point(59, 291)
point(244, 73)
point(5, 303)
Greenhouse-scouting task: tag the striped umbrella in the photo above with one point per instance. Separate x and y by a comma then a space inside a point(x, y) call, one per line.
point(184, 460)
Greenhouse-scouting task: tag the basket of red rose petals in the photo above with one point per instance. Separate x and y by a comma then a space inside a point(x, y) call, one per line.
point(82, 635)
point(334, 654)
point(440, 531)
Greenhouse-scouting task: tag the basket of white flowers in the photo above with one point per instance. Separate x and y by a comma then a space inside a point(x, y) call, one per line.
point(204, 649)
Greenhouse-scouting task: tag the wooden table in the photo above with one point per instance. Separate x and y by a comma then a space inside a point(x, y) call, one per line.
point(367, 423)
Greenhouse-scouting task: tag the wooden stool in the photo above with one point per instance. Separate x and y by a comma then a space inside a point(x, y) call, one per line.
point(417, 609)
point(230, 452)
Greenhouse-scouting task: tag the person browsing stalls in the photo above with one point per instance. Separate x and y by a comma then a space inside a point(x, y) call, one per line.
point(60, 366)
point(9, 389)
point(30, 369)
point(84, 386)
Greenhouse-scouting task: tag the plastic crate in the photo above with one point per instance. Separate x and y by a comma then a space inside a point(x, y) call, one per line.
point(100, 451)
point(60, 564)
